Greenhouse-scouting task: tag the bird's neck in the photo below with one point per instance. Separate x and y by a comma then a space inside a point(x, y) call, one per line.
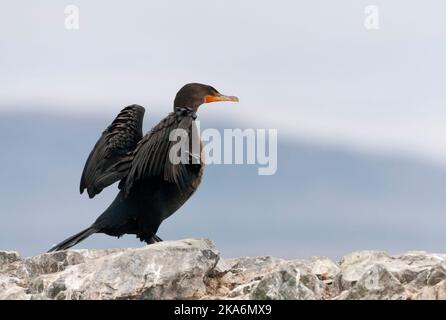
point(185, 111)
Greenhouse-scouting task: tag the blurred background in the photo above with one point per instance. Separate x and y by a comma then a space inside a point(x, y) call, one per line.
point(360, 116)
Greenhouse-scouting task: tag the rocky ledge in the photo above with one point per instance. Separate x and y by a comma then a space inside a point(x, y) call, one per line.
point(193, 269)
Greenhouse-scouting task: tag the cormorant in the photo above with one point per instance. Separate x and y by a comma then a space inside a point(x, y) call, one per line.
point(151, 187)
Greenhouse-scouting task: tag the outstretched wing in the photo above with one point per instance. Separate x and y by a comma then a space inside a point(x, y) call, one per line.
point(117, 141)
point(151, 156)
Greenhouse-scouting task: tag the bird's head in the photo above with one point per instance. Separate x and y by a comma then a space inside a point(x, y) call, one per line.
point(193, 95)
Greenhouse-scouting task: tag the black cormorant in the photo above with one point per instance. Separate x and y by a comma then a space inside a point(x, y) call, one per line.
point(151, 187)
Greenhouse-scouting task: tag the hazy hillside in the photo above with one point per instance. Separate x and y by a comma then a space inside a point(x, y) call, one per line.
point(322, 201)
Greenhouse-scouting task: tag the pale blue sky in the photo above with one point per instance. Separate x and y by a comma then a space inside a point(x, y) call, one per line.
point(309, 68)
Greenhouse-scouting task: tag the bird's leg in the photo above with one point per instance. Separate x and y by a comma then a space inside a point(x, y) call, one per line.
point(156, 238)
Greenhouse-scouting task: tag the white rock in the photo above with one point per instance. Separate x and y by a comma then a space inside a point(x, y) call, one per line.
point(192, 269)
point(436, 292)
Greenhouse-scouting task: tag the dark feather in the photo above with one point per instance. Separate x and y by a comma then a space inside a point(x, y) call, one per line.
point(115, 144)
point(151, 156)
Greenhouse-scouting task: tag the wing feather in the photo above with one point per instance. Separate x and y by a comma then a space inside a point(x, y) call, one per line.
point(151, 156)
point(116, 143)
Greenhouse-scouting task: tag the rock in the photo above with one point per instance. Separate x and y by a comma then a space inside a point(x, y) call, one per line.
point(193, 269)
point(411, 271)
point(161, 271)
point(323, 268)
point(377, 283)
point(436, 292)
point(283, 284)
point(355, 265)
point(7, 257)
point(267, 278)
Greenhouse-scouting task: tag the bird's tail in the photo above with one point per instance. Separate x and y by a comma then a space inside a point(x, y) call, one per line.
point(73, 240)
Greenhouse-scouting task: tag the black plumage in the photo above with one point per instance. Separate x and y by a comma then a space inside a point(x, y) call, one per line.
point(151, 187)
point(120, 138)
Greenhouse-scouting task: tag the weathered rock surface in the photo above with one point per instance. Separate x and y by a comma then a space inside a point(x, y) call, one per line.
point(193, 269)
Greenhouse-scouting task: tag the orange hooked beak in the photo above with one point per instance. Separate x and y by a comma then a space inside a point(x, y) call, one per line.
point(219, 97)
